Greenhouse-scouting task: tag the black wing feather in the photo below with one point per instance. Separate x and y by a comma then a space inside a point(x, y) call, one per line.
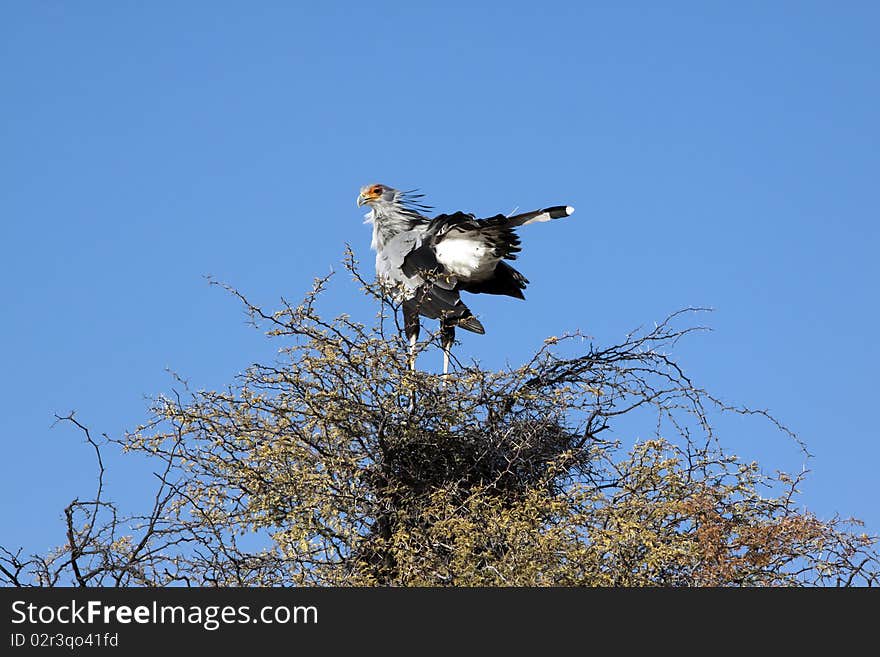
point(505, 280)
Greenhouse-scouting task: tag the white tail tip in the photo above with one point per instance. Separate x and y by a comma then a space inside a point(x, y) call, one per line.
point(569, 210)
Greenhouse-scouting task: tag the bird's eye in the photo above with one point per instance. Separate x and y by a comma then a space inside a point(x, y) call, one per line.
point(377, 190)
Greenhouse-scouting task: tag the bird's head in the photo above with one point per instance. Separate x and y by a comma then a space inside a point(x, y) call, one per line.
point(375, 193)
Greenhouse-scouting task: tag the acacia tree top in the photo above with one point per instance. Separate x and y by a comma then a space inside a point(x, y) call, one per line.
point(336, 465)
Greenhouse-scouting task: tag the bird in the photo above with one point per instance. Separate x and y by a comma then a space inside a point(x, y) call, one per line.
point(425, 263)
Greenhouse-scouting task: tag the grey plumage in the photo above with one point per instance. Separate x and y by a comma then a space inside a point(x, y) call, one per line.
point(425, 263)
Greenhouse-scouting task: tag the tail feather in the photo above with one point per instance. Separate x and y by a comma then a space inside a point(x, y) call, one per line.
point(546, 214)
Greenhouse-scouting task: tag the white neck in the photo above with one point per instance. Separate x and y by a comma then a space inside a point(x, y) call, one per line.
point(387, 222)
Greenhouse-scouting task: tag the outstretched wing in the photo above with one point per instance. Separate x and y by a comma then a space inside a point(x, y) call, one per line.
point(457, 251)
point(461, 247)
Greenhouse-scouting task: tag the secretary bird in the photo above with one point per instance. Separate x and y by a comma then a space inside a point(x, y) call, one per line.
point(425, 263)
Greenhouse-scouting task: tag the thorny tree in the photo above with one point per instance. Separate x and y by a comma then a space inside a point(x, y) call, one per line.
point(336, 465)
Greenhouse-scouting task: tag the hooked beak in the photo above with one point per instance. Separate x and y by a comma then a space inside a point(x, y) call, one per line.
point(360, 200)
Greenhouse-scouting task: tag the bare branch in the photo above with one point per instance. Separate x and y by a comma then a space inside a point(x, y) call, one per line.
point(318, 469)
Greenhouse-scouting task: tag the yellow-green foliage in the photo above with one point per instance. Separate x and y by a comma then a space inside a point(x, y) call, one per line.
point(339, 466)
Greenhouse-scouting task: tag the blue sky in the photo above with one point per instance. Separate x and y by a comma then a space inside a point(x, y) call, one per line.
point(718, 154)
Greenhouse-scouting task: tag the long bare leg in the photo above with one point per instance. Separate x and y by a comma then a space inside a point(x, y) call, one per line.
point(413, 339)
point(411, 327)
point(447, 337)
